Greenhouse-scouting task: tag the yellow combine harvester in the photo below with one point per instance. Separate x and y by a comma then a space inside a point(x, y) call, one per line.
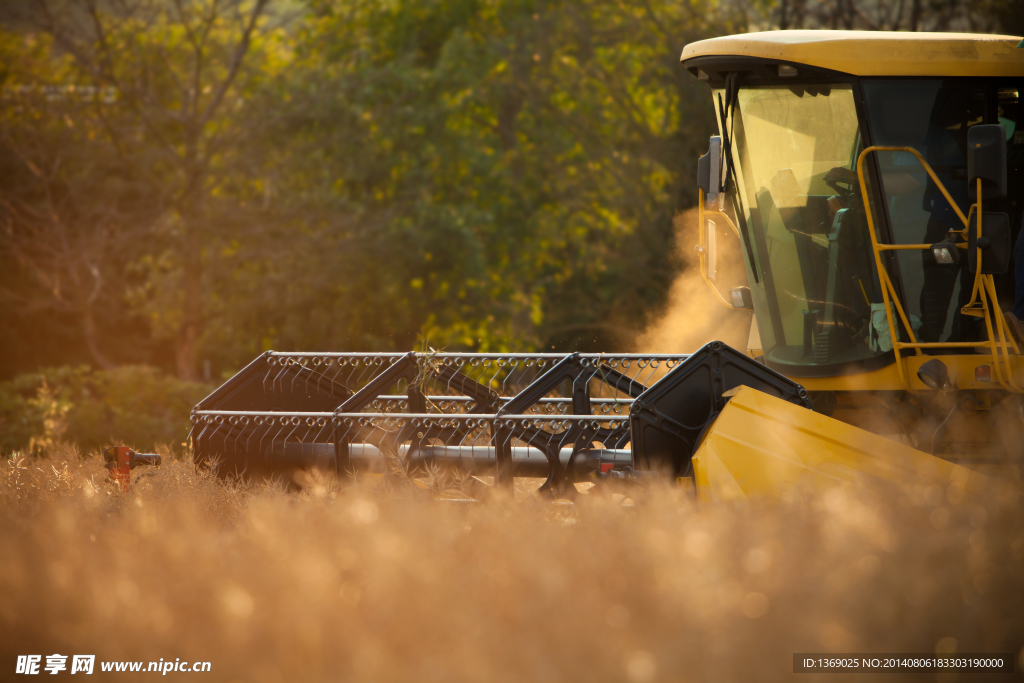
point(874, 182)
point(871, 183)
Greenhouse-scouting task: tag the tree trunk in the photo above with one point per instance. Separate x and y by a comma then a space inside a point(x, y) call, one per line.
point(191, 214)
point(192, 300)
point(92, 340)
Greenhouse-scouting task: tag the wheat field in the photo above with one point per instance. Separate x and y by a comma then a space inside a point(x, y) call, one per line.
point(364, 582)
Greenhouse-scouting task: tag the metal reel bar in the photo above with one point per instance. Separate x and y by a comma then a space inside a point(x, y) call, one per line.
point(535, 445)
point(505, 373)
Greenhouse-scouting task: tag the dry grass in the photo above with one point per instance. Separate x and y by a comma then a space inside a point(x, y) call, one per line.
point(345, 583)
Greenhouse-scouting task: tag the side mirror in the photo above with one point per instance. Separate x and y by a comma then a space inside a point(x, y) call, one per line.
point(709, 169)
point(986, 159)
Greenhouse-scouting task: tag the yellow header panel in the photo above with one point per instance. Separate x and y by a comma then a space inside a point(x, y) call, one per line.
point(876, 53)
point(762, 445)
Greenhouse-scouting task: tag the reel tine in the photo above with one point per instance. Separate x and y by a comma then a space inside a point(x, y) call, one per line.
point(453, 386)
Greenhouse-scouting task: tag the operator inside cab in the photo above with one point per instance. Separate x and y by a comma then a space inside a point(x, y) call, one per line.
point(933, 116)
point(792, 133)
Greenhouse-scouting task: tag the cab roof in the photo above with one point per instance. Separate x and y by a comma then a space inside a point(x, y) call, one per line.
point(863, 53)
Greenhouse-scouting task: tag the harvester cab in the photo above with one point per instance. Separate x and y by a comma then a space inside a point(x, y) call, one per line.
point(874, 183)
point(835, 155)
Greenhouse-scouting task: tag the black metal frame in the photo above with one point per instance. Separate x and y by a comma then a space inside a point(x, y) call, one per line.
point(511, 419)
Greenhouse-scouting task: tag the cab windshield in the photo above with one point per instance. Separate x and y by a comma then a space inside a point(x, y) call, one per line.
point(812, 278)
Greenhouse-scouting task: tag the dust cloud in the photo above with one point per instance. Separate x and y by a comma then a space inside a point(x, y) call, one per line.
point(693, 315)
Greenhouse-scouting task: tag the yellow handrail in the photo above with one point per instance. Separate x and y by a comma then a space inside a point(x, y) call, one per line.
point(984, 285)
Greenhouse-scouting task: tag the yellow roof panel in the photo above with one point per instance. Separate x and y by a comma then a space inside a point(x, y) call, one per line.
point(875, 53)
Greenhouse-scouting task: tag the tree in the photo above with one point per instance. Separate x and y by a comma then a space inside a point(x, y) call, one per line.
point(65, 205)
point(220, 178)
point(1010, 15)
point(178, 71)
point(974, 16)
point(481, 174)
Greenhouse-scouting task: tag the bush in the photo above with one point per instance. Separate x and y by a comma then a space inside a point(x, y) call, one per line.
point(137, 406)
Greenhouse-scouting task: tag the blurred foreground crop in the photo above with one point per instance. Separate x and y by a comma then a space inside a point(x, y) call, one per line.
point(352, 582)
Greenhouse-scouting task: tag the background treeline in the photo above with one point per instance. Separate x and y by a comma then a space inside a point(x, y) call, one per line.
point(186, 183)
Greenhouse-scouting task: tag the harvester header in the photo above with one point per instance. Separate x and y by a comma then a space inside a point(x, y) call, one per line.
point(563, 417)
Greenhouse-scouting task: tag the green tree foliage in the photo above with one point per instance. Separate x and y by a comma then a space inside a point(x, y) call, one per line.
point(68, 206)
point(1010, 15)
point(475, 174)
point(970, 16)
point(155, 89)
point(190, 180)
point(481, 174)
point(133, 405)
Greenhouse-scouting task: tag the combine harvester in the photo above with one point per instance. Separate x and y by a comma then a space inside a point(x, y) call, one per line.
point(864, 177)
